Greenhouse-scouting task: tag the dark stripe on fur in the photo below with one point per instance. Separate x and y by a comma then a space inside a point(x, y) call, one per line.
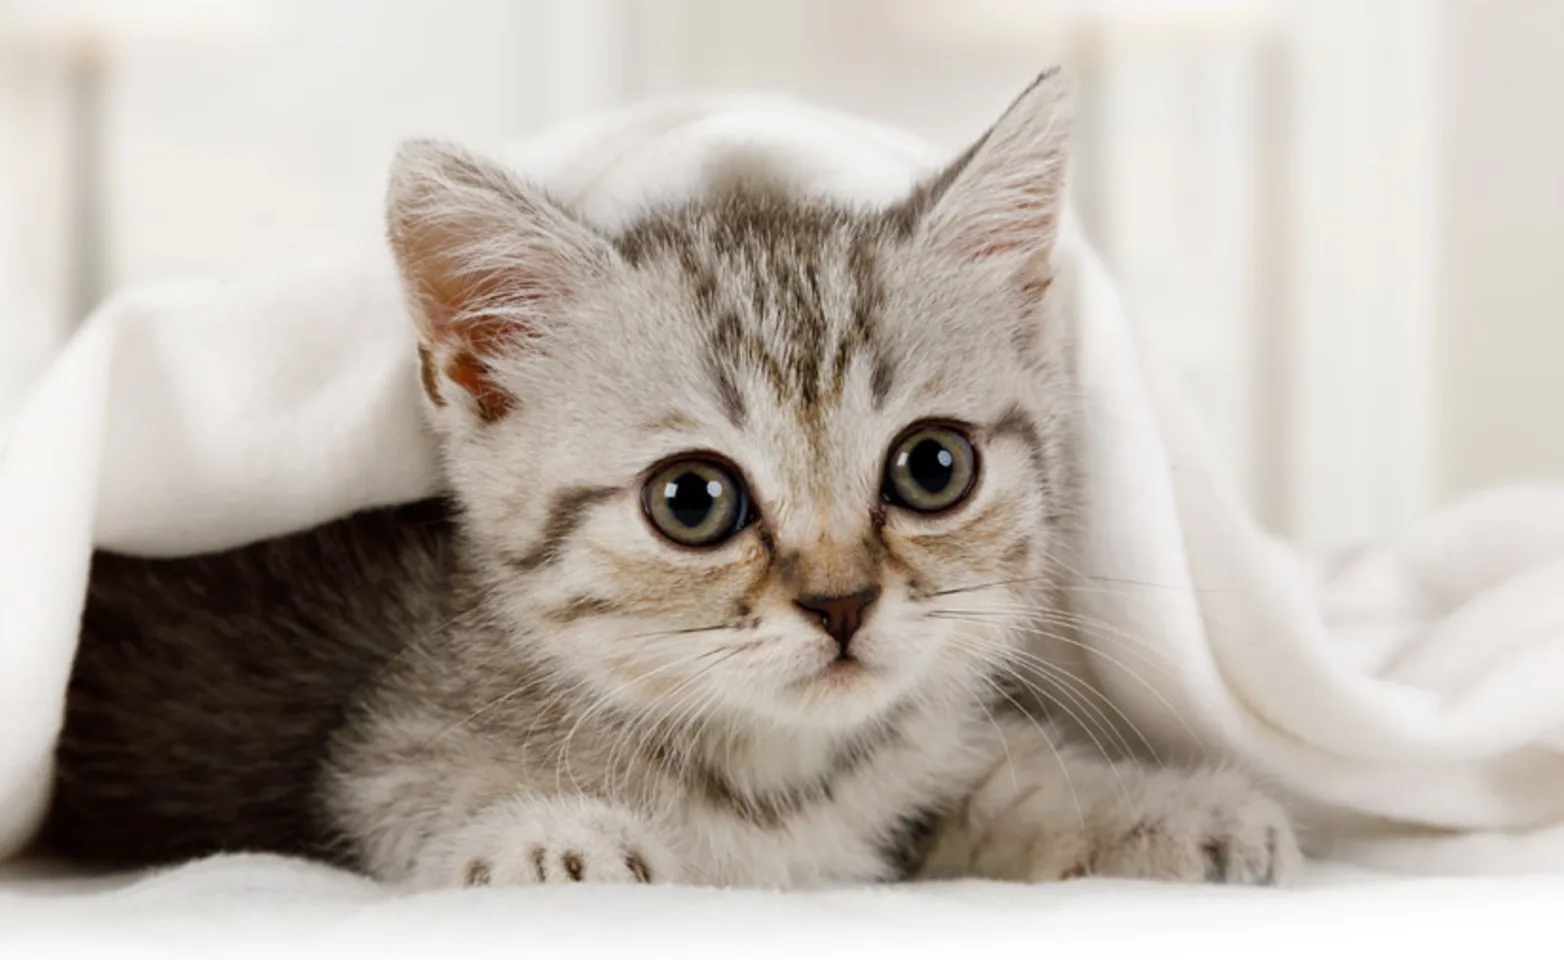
point(909, 843)
point(756, 266)
point(565, 514)
point(1014, 424)
point(579, 608)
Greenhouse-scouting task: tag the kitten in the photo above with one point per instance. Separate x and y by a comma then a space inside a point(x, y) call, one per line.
point(756, 507)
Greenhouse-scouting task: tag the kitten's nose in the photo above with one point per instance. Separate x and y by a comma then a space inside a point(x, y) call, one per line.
point(842, 615)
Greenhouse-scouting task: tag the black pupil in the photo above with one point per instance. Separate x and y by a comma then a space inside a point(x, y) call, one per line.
point(931, 465)
point(691, 498)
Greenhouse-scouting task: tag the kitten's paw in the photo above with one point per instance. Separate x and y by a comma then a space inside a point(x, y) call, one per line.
point(557, 841)
point(1210, 826)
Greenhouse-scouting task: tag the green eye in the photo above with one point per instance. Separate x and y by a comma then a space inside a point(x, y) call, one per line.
point(696, 502)
point(931, 468)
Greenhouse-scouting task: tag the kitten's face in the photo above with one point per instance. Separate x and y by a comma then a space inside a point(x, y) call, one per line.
point(758, 458)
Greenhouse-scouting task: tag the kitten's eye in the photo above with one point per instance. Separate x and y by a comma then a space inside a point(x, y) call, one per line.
point(931, 468)
point(696, 502)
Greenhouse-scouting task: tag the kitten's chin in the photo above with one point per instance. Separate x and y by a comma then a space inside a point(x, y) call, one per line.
point(839, 694)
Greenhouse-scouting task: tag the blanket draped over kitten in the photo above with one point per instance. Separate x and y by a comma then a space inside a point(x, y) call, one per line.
point(748, 574)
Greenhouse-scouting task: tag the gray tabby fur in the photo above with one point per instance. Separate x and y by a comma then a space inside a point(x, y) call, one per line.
point(527, 684)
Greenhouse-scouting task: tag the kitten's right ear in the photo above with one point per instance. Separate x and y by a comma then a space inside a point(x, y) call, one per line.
point(485, 261)
point(1000, 203)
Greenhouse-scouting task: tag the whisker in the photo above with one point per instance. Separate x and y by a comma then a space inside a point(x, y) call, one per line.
point(1136, 646)
point(604, 699)
point(952, 591)
point(1122, 666)
point(683, 631)
point(491, 705)
point(1079, 690)
point(684, 703)
point(1075, 796)
point(1085, 726)
point(1058, 673)
point(1001, 657)
point(723, 654)
point(1000, 731)
point(1080, 693)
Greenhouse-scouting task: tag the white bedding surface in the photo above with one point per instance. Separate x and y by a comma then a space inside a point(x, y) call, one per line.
point(266, 905)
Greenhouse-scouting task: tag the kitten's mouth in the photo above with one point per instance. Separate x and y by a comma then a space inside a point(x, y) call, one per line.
point(839, 674)
point(844, 670)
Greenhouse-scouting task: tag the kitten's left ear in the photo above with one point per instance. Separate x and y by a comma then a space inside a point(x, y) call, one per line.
point(488, 263)
point(1000, 202)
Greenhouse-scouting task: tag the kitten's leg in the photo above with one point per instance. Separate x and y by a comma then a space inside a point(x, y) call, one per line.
point(454, 811)
point(1048, 810)
point(534, 840)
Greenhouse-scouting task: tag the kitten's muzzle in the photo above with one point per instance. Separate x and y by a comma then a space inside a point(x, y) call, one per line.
point(840, 616)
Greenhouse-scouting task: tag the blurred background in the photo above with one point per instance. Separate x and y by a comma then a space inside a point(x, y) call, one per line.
point(1342, 219)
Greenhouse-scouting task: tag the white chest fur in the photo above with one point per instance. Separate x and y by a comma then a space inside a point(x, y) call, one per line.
point(799, 813)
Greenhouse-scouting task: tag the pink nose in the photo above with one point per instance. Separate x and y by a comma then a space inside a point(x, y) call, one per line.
point(841, 616)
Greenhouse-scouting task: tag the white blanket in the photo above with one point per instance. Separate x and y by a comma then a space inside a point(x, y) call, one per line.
point(258, 906)
point(1409, 699)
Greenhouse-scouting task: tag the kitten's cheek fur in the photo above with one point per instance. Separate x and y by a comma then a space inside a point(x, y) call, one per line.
point(529, 841)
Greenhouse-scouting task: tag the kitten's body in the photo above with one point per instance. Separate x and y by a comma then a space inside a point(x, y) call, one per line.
point(564, 687)
point(212, 709)
point(207, 689)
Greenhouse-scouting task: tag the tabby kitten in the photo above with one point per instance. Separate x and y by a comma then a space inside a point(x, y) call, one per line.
point(755, 505)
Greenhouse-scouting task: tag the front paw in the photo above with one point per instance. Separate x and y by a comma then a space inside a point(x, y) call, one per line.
point(548, 841)
point(1209, 826)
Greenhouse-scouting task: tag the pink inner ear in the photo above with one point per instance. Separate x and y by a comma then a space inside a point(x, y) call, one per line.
point(457, 302)
point(472, 341)
point(472, 375)
point(1025, 228)
point(1022, 234)
point(486, 262)
point(457, 326)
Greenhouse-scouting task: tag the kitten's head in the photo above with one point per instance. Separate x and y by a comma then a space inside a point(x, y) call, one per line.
point(761, 456)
